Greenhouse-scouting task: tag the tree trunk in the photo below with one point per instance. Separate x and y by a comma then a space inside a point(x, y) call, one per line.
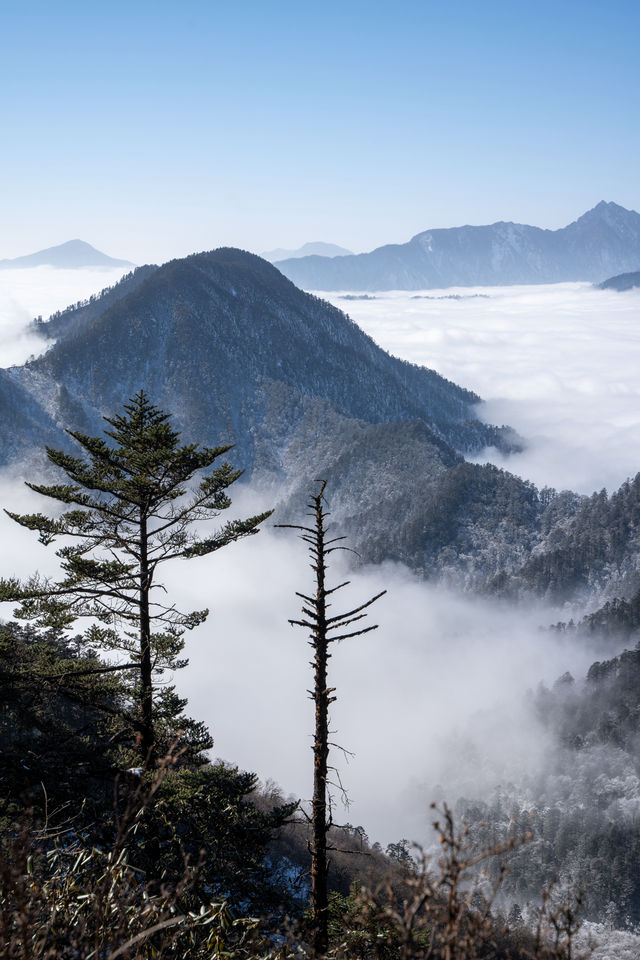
point(319, 825)
point(323, 630)
point(147, 742)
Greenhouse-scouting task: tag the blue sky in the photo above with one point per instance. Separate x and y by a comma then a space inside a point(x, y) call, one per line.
point(153, 129)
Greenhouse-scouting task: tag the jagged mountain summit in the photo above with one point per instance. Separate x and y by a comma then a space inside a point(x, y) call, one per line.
point(240, 355)
point(315, 248)
point(72, 255)
point(602, 242)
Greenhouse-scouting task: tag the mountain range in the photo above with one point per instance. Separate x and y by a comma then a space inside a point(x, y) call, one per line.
point(602, 242)
point(72, 255)
point(240, 355)
point(315, 248)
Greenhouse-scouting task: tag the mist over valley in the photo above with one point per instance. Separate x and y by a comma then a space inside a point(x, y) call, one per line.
point(445, 505)
point(556, 362)
point(320, 481)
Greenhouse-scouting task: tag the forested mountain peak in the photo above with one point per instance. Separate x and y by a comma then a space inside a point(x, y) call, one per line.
point(240, 354)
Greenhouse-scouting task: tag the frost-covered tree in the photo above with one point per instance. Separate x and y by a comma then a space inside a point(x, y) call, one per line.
point(132, 508)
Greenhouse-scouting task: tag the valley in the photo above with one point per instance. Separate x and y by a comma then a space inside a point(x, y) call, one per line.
point(413, 482)
point(257, 255)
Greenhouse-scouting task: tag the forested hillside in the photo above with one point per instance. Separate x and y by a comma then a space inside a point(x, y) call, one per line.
point(72, 731)
point(242, 356)
point(214, 335)
point(598, 548)
point(116, 827)
point(624, 281)
point(582, 808)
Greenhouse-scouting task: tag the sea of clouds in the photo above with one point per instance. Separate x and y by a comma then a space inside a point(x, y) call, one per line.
point(558, 362)
point(433, 704)
point(40, 291)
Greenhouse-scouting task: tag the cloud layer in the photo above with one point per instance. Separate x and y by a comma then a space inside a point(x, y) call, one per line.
point(431, 704)
point(40, 291)
point(558, 362)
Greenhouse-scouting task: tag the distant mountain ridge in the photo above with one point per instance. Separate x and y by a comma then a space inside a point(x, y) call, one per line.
point(624, 281)
point(72, 255)
point(315, 248)
point(602, 242)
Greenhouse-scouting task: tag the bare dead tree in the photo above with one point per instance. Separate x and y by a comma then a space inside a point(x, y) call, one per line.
point(325, 630)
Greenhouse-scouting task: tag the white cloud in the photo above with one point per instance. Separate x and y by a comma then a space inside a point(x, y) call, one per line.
point(40, 291)
point(558, 362)
point(435, 696)
point(433, 699)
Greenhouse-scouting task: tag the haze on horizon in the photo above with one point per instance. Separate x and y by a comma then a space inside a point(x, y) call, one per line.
point(152, 132)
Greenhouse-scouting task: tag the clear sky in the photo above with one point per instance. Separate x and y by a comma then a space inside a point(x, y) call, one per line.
point(153, 129)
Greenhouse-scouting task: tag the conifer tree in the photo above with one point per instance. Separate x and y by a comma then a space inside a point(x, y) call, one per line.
point(325, 630)
point(131, 510)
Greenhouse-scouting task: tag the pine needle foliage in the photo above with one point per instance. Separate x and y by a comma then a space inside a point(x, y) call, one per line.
point(132, 507)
